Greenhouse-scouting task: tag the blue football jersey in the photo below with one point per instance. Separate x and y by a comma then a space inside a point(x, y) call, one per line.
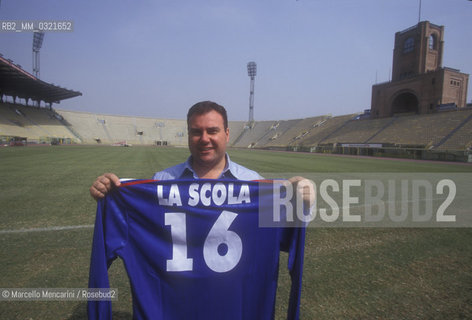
point(193, 249)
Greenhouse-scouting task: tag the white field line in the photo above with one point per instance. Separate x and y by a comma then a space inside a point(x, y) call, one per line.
point(85, 226)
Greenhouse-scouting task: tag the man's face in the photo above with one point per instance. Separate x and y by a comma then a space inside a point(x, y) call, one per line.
point(207, 139)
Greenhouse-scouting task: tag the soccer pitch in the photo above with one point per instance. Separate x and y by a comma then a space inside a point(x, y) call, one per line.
point(362, 273)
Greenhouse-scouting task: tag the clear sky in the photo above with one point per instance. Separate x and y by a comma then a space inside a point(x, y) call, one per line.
point(157, 58)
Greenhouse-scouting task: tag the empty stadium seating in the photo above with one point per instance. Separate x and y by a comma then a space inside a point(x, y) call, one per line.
point(451, 130)
point(358, 131)
point(236, 128)
point(295, 131)
point(98, 128)
point(35, 124)
point(322, 130)
point(251, 135)
point(459, 138)
point(421, 130)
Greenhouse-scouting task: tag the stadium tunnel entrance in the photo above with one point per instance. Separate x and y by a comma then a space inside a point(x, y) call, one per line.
point(406, 102)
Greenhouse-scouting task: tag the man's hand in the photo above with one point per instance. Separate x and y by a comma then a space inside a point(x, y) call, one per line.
point(103, 185)
point(307, 193)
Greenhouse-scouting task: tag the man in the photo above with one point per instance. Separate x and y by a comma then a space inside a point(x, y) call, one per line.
point(208, 136)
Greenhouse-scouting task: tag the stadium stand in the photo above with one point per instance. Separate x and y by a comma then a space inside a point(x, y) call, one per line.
point(295, 131)
point(236, 128)
point(358, 131)
point(252, 134)
point(26, 123)
point(448, 131)
point(274, 130)
point(461, 137)
point(37, 125)
point(18, 83)
point(424, 131)
point(110, 129)
point(323, 130)
point(279, 131)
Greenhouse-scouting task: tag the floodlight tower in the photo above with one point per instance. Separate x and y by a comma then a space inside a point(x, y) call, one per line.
point(251, 71)
point(37, 43)
point(419, 13)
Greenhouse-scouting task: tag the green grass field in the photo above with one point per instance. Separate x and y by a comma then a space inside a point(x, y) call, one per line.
point(351, 273)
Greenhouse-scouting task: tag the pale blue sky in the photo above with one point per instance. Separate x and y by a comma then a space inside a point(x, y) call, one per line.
point(157, 58)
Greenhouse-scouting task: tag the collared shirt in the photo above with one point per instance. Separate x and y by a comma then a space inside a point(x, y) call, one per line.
point(184, 170)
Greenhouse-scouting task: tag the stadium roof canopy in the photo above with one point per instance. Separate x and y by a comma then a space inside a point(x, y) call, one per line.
point(16, 82)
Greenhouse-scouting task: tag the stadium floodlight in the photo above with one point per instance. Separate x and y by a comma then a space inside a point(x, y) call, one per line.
point(419, 13)
point(38, 40)
point(37, 44)
point(251, 71)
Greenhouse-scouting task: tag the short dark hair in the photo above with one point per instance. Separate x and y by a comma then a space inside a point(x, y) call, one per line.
point(204, 107)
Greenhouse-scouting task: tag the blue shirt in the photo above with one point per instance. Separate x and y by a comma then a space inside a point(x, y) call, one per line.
point(232, 171)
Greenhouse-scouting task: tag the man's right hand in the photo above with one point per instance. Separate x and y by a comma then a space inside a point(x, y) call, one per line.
point(103, 185)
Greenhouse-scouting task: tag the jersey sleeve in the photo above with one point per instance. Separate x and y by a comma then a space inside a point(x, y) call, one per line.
point(293, 242)
point(110, 235)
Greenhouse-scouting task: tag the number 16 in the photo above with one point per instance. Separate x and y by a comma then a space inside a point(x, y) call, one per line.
point(218, 235)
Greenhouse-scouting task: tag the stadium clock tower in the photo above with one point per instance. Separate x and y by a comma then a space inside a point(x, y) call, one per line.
point(419, 82)
point(417, 50)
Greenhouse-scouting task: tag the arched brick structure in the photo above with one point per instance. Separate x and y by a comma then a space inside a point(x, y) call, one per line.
point(417, 69)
